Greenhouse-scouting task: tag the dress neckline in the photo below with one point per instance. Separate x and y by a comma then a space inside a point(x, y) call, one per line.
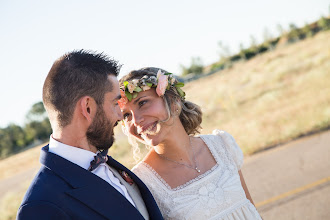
point(214, 155)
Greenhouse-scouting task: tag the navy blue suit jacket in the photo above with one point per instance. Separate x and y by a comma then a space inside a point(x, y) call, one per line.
point(64, 190)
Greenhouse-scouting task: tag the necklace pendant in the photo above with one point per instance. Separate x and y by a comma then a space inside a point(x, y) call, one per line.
point(197, 170)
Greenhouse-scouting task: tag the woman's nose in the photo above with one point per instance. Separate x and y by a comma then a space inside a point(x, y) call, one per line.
point(136, 118)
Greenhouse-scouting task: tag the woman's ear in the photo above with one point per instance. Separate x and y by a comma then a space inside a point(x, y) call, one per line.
point(88, 108)
point(176, 108)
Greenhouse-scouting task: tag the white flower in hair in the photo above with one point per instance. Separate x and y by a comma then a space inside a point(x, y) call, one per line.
point(159, 73)
point(145, 88)
point(131, 87)
point(135, 82)
point(172, 81)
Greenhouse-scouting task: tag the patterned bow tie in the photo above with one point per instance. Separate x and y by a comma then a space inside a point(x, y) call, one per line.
point(101, 157)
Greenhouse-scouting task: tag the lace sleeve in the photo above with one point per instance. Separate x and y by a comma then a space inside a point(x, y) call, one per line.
point(232, 146)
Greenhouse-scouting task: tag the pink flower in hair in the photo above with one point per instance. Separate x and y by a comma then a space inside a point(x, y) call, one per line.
point(123, 101)
point(162, 83)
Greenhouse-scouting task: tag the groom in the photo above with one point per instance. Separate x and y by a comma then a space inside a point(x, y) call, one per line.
point(80, 95)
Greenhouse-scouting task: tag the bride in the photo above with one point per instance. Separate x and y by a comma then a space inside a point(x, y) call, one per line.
point(190, 177)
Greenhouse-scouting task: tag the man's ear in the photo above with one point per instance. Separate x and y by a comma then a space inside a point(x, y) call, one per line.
point(88, 108)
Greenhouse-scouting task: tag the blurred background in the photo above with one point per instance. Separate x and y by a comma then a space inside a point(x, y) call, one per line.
point(259, 70)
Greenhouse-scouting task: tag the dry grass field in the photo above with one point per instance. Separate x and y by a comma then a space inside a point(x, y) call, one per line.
point(271, 99)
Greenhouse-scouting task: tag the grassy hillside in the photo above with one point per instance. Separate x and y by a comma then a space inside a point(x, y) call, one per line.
point(270, 99)
point(15, 167)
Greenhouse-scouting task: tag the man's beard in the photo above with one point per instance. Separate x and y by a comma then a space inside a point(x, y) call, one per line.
point(100, 132)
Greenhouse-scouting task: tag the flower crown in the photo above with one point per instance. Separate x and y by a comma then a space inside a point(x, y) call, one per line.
point(162, 82)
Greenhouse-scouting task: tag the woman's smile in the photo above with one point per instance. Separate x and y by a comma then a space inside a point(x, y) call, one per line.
point(150, 129)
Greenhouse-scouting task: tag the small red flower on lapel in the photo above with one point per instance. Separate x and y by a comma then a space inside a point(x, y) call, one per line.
point(126, 177)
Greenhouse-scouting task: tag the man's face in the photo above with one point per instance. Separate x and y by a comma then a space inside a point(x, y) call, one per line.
point(100, 133)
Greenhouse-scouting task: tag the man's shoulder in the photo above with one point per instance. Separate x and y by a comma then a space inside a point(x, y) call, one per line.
point(46, 186)
point(45, 197)
point(41, 210)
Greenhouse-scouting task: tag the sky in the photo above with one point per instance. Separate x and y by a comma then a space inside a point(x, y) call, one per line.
point(166, 34)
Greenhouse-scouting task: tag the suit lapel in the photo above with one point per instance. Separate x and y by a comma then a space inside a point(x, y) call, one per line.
point(151, 205)
point(134, 192)
point(90, 189)
point(106, 200)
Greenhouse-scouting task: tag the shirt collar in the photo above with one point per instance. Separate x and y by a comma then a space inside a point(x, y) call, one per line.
point(75, 155)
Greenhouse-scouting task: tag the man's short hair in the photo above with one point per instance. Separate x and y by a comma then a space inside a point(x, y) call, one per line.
point(74, 75)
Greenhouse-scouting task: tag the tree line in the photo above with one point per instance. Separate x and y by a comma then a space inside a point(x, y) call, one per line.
point(36, 130)
point(227, 59)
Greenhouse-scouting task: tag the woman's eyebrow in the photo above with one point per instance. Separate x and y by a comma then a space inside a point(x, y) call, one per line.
point(138, 99)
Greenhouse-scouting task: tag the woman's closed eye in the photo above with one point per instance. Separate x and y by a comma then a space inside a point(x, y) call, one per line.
point(143, 102)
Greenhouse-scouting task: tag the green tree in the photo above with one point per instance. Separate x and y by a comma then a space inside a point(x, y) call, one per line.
point(307, 31)
point(253, 44)
point(12, 139)
point(241, 51)
point(17, 136)
point(294, 33)
point(30, 133)
point(38, 125)
point(6, 145)
point(324, 23)
point(37, 112)
point(196, 67)
point(39, 130)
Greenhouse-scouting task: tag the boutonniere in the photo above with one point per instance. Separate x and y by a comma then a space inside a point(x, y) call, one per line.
point(126, 177)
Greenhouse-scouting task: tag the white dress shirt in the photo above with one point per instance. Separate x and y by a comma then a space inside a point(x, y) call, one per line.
point(83, 158)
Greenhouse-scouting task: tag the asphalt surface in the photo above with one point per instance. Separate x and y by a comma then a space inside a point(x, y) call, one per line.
point(291, 181)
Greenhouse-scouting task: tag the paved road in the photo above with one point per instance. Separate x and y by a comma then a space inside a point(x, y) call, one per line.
point(297, 173)
point(18, 182)
point(292, 172)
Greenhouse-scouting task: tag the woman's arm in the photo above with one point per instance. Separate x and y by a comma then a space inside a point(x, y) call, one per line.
point(248, 196)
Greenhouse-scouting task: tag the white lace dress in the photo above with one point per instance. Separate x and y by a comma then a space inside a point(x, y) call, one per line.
point(216, 194)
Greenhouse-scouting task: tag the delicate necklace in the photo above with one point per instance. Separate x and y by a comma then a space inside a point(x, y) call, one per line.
point(183, 164)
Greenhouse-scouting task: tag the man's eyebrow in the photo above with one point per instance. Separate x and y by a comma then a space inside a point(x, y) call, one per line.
point(117, 98)
point(138, 99)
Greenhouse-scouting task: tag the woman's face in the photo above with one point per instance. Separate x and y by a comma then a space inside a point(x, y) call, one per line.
point(144, 118)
